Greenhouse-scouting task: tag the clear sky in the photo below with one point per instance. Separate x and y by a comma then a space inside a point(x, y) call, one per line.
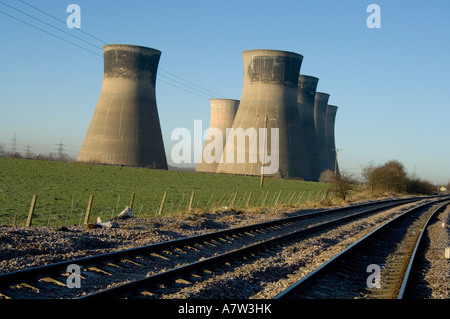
point(391, 84)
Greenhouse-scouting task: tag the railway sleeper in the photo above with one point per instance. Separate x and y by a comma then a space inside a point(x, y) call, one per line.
point(132, 262)
point(195, 277)
point(53, 281)
point(160, 256)
point(99, 270)
point(182, 281)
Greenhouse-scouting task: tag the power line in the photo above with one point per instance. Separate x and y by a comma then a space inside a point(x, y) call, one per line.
point(180, 88)
point(60, 148)
point(190, 82)
point(62, 21)
point(26, 146)
point(48, 24)
point(165, 77)
point(14, 143)
point(90, 50)
point(161, 69)
point(28, 151)
point(188, 88)
point(33, 26)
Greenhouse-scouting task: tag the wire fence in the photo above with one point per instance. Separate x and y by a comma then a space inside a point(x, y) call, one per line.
point(164, 204)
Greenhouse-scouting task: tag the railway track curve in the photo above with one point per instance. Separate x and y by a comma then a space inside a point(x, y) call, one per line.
point(132, 272)
point(377, 266)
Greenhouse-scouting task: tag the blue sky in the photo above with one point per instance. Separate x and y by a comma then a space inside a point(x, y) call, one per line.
point(391, 84)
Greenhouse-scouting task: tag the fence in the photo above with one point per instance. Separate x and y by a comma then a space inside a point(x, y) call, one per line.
point(166, 204)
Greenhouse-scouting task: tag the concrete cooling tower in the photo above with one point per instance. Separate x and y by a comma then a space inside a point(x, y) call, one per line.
point(330, 119)
point(320, 110)
point(268, 100)
point(222, 115)
point(125, 127)
point(307, 86)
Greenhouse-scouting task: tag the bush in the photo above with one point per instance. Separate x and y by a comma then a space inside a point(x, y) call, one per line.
point(392, 177)
point(343, 185)
point(326, 176)
point(418, 186)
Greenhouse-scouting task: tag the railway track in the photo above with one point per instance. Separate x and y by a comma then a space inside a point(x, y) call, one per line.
point(148, 270)
point(376, 267)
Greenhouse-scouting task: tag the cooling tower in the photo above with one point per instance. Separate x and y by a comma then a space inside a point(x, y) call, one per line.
point(320, 109)
point(223, 112)
point(330, 119)
point(307, 86)
point(125, 127)
point(268, 100)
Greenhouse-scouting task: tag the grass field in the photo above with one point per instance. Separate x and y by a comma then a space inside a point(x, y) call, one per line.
point(63, 191)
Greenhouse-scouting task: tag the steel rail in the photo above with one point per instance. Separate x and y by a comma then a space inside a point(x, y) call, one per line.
point(45, 270)
point(308, 280)
point(413, 259)
point(131, 288)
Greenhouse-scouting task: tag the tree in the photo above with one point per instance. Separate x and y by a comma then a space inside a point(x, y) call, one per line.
point(419, 186)
point(327, 176)
point(367, 174)
point(390, 177)
point(343, 184)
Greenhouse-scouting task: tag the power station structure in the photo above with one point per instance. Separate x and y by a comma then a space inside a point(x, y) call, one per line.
point(275, 96)
point(281, 126)
point(320, 111)
point(307, 86)
point(125, 128)
point(222, 116)
point(330, 119)
point(264, 136)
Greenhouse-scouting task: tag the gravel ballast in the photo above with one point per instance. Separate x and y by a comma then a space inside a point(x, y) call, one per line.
point(260, 278)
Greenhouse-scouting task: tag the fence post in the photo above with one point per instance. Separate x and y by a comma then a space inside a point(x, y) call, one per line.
point(131, 201)
point(292, 198)
point(319, 193)
point(220, 200)
point(265, 198)
point(31, 211)
point(149, 210)
point(308, 198)
point(300, 197)
point(162, 204)
point(190, 202)
point(248, 200)
point(117, 205)
point(88, 210)
point(234, 199)
point(278, 197)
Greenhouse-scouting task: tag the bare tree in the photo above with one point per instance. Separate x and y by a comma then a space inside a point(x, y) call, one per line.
point(368, 175)
point(420, 186)
point(390, 177)
point(343, 184)
point(327, 176)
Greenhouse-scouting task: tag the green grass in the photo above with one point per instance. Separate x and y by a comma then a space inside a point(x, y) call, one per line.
point(63, 191)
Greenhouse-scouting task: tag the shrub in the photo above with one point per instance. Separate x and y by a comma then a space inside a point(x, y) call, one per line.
point(392, 177)
point(326, 176)
point(343, 185)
